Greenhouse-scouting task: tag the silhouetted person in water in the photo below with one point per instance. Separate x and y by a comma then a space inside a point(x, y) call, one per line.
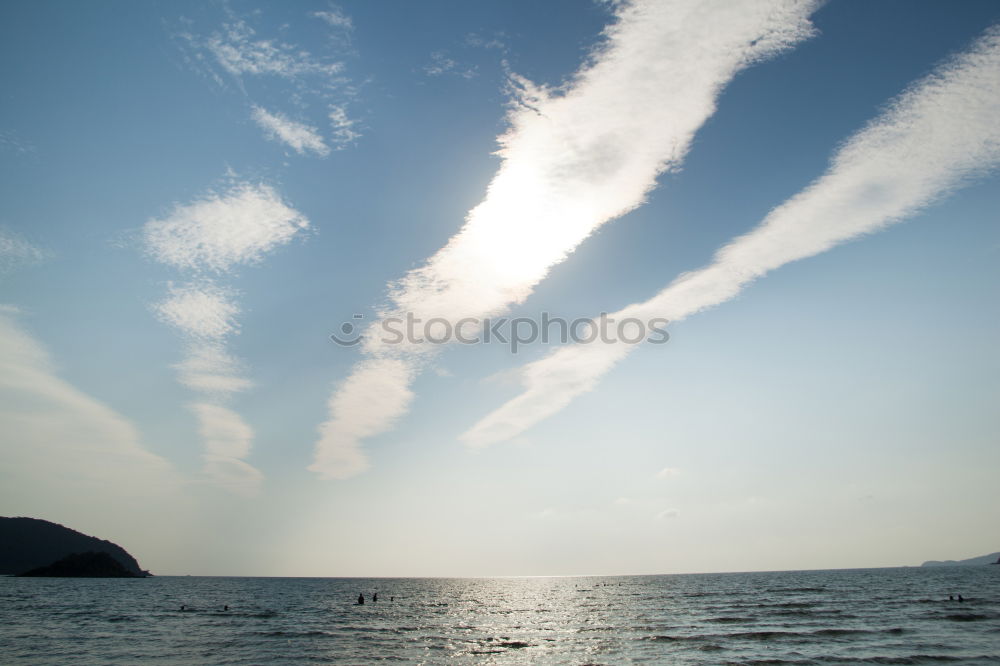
point(960, 598)
point(392, 598)
point(375, 598)
point(225, 608)
point(361, 599)
point(183, 607)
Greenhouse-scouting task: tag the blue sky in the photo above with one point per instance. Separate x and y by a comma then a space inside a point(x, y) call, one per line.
point(195, 196)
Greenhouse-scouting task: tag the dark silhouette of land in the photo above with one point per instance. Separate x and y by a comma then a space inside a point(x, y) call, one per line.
point(992, 558)
point(29, 543)
point(84, 565)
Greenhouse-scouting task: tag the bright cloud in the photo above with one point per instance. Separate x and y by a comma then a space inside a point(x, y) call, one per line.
point(220, 230)
point(204, 311)
point(573, 159)
point(935, 138)
point(298, 136)
point(362, 407)
point(668, 472)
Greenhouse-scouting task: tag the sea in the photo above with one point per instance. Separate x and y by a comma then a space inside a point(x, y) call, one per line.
point(859, 616)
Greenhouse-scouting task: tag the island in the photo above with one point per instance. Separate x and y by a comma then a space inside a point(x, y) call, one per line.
point(992, 558)
point(84, 565)
point(30, 545)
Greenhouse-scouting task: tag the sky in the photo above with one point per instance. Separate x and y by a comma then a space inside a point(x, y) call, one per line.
point(213, 217)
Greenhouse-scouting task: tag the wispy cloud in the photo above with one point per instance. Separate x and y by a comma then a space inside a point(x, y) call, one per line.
point(936, 137)
point(478, 41)
point(279, 68)
point(668, 472)
point(16, 251)
point(344, 128)
point(239, 51)
point(573, 159)
point(227, 440)
point(223, 229)
point(441, 64)
point(207, 367)
point(12, 142)
point(335, 18)
point(60, 444)
point(216, 233)
point(298, 136)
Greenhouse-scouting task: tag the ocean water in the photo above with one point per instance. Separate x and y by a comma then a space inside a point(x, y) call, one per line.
point(868, 616)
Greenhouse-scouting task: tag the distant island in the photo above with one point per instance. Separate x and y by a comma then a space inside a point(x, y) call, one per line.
point(992, 558)
point(35, 547)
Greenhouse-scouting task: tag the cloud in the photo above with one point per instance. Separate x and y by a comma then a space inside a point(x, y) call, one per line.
point(234, 475)
point(60, 444)
point(218, 232)
point(667, 472)
point(266, 68)
point(934, 138)
point(206, 315)
point(441, 64)
point(299, 137)
point(575, 158)
point(204, 311)
point(12, 142)
point(344, 128)
point(668, 514)
point(226, 434)
point(209, 368)
point(239, 51)
point(222, 229)
point(476, 40)
point(335, 18)
point(16, 251)
point(365, 405)
point(227, 440)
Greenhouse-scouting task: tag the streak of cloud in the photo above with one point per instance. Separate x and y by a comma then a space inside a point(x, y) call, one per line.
point(59, 444)
point(573, 159)
point(298, 136)
point(937, 136)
